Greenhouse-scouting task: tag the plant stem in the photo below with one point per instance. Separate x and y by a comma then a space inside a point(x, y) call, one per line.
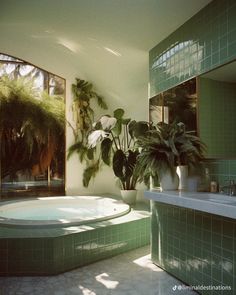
point(127, 135)
point(125, 145)
point(114, 140)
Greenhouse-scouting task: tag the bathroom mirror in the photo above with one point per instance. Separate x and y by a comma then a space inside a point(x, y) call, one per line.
point(176, 104)
point(217, 111)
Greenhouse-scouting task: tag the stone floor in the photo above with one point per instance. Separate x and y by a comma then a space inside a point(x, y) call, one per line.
point(131, 273)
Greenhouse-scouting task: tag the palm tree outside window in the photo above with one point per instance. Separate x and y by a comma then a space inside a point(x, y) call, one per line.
point(32, 160)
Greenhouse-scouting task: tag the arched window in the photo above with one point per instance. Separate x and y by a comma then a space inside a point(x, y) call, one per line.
point(32, 129)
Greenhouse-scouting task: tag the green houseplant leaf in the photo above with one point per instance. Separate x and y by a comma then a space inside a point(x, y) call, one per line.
point(137, 129)
point(119, 113)
point(119, 160)
point(83, 114)
point(90, 172)
point(106, 146)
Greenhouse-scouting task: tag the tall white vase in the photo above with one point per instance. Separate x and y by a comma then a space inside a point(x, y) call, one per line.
point(169, 182)
point(182, 172)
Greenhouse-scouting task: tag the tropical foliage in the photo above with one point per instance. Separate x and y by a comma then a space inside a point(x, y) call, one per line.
point(165, 147)
point(117, 139)
point(31, 128)
point(83, 94)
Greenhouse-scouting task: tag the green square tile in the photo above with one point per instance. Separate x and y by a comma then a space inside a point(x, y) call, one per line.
point(216, 274)
point(228, 228)
point(227, 279)
point(198, 219)
point(207, 236)
point(227, 243)
point(207, 222)
point(216, 226)
point(227, 255)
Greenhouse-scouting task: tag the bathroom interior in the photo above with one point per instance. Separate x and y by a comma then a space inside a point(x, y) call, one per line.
point(65, 208)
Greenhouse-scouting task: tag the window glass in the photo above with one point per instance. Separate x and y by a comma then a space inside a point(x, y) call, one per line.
point(45, 172)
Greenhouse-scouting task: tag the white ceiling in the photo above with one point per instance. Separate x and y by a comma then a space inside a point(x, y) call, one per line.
point(105, 41)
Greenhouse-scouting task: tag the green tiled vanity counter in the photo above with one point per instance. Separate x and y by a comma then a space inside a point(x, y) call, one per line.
point(49, 251)
point(197, 247)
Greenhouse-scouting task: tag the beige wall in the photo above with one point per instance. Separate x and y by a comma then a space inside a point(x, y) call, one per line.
point(133, 100)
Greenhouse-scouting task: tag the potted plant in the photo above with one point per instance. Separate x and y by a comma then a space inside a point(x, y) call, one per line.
point(191, 152)
point(83, 115)
point(165, 147)
point(117, 139)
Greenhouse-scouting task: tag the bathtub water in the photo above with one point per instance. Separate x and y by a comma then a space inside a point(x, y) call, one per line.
point(57, 211)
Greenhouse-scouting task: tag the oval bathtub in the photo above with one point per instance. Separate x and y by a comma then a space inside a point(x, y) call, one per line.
point(60, 211)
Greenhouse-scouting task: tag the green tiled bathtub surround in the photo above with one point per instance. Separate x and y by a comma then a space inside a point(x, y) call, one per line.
point(198, 248)
point(204, 42)
point(55, 250)
point(217, 118)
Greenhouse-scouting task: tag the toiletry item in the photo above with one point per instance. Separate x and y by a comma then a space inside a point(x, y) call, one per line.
point(192, 184)
point(214, 187)
point(207, 180)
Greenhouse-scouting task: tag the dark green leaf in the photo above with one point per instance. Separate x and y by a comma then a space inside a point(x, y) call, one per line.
point(126, 121)
point(131, 127)
point(130, 163)
point(106, 146)
point(138, 129)
point(90, 153)
point(98, 126)
point(119, 113)
point(118, 127)
point(119, 160)
point(84, 96)
point(90, 172)
point(101, 102)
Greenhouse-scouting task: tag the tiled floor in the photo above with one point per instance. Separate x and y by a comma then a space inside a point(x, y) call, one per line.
point(131, 273)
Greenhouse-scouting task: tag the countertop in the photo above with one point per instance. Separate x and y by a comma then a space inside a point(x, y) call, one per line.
point(206, 202)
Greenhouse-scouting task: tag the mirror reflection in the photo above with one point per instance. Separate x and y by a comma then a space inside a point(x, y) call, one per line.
point(176, 104)
point(217, 111)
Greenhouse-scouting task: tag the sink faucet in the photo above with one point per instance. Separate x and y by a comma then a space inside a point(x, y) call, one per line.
point(229, 189)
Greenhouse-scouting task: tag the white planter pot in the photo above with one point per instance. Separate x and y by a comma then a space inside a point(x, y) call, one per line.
point(182, 172)
point(129, 196)
point(169, 182)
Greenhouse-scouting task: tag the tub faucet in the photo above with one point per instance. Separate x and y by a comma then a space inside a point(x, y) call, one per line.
point(229, 189)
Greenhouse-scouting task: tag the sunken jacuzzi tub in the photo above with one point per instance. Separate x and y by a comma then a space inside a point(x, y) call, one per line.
point(46, 236)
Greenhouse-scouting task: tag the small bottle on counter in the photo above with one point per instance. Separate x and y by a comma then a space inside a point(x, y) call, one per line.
point(214, 187)
point(207, 180)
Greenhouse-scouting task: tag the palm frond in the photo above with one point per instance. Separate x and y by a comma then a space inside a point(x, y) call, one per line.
point(31, 125)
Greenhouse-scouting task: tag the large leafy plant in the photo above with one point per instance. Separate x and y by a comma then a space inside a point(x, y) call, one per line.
point(117, 138)
point(165, 147)
point(31, 128)
point(83, 94)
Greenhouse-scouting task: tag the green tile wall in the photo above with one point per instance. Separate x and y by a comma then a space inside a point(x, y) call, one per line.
point(222, 170)
point(52, 251)
point(217, 118)
point(204, 42)
point(198, 248)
